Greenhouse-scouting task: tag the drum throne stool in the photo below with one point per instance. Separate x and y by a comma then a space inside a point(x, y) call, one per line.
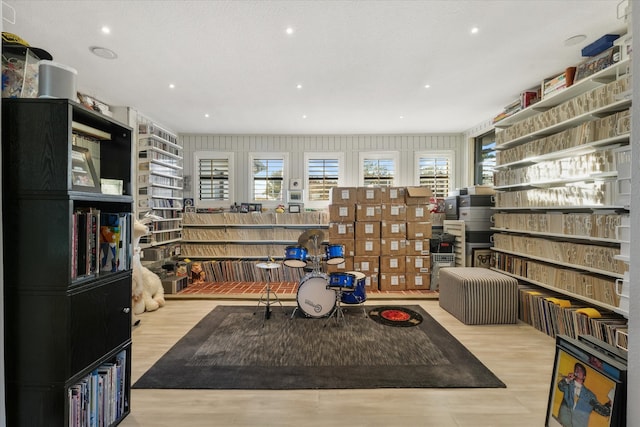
point(266, 297)
point(478, 296)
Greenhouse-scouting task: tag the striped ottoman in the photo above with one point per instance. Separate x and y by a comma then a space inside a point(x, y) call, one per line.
point(478, 296)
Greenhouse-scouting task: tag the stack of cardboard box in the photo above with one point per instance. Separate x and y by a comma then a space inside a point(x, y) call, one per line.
point(388, 240)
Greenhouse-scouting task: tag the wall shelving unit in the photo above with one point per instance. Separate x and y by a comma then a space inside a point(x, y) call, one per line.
point(253, 235)
point(70, 316)
point(559, 199)
point(160, 183)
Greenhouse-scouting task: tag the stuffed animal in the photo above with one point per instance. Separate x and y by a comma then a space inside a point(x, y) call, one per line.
point(197, 274)
point(147, 291)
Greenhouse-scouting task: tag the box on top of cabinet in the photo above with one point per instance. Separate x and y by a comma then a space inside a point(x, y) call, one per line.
point(418, 195)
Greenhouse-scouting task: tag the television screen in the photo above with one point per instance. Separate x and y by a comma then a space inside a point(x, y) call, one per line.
point(588, 388)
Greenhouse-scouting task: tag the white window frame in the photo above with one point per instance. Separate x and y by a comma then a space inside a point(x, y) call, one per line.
point(321, 155)
point(377, 155)
point(450, 154)
point(197, 156)
point(285, 177)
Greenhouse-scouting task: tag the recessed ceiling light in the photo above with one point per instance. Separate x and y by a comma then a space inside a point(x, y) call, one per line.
point(289, 30)
point(474, 30)
point(298, 86)
point(574, 40)
point(401, 117)
point(427, 86)
point(103, 52)
point(304, 116)
point(206, 115)
point(106, 30)
point(172, 86)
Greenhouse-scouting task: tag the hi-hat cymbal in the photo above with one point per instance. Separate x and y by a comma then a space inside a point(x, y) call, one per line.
point(267, 265)
point(311, 238)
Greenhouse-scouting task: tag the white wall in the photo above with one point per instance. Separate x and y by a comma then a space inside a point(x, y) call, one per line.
point(297, 145)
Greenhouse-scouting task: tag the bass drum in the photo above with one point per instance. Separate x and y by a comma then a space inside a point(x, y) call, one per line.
point(314, 299)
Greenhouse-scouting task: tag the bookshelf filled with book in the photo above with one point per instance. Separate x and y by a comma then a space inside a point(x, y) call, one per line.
point(253, 235)
point(67, 206)
point(560, 202)
point(160, 183)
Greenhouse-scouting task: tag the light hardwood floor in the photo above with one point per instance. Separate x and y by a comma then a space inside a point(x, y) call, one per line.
point(519, 355)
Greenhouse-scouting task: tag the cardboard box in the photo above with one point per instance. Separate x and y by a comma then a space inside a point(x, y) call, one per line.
point(392, 282)
point(417, 264)
point(349, 246)
point(369, 195)
point(347, 265)
point(368, 212)
point(367, 247)
point(392, 264)
point(393, 195)
point(342, 213)
point(393, 246)
point(371, 282)
point(418, 196)
point(418, 213)
point(341, 230)
point(393, 229)
point(394, 212)
point(343, 195)
point(418, 230)
point(368, 230)
point(418, 281)
point(418, 247)
point(366, 264)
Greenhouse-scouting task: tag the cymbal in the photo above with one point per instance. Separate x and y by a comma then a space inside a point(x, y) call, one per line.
point(267, 265)
point(311, 238)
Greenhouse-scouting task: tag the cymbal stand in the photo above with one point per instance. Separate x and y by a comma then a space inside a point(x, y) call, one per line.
point(337, 309)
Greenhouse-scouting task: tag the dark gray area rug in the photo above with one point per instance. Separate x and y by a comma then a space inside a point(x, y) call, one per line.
point(231, 349)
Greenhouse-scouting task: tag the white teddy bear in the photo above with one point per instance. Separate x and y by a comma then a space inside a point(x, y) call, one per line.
point(147, 291)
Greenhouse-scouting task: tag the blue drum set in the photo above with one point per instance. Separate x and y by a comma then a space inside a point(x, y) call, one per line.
point(321, 295)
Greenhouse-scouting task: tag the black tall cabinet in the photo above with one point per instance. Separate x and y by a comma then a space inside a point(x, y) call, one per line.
point(61, 326)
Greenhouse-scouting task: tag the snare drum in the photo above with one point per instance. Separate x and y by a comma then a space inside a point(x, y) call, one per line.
point(314, 299)
point(335, 254)
point(343, 281)
point(359, 294)
point(295, 256)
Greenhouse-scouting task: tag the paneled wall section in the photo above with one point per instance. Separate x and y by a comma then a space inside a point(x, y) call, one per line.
point(350, 145)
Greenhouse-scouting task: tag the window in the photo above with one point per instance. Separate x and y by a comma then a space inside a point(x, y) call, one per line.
point(435, 170)
point(485, 158)
point(378, 169)
point(268, 173)
point(323, 172)
point(213, 170)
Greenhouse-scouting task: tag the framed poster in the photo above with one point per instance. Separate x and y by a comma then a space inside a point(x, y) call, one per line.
point(294, 208)
point(588, 388)
point(481, 257)
point(83, 174)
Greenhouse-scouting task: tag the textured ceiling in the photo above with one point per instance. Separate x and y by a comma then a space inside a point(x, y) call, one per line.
point(362, 64)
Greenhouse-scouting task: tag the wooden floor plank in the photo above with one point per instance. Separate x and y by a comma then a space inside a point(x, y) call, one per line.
point(519, 355)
